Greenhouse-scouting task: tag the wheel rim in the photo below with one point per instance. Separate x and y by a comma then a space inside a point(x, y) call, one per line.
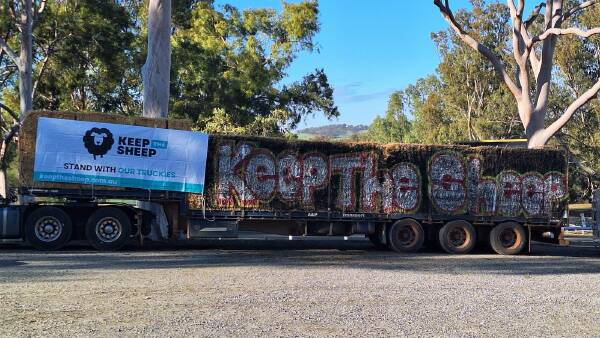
point(407, 235)
point(508, 238)
point(108, 229)
point(48, 229)
point(457, 237)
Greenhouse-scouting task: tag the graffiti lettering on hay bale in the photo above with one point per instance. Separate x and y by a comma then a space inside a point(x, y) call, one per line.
point(248, 176)
point(481, 190)
point(448, 182)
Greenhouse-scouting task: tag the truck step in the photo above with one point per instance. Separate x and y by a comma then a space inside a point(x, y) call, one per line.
point(202, 228)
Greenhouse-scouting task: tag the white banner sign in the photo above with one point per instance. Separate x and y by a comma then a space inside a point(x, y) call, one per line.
point(119, 155)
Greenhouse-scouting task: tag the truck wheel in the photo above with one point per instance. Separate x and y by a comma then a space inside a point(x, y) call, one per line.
point(48, 228)
point(406, 235)
point(508, 238)
point(108, 229)
point(457, 237)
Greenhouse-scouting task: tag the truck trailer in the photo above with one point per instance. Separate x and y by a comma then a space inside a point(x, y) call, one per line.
point(79, 174)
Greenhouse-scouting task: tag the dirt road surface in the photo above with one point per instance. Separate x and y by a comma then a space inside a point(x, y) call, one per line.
point(313, 290)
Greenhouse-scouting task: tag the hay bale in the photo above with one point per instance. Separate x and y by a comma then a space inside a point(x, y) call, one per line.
point(179, 124)
point(195, 201)
point(148, 122)
point(494, 160)
point(102, 117)
point(26, 147)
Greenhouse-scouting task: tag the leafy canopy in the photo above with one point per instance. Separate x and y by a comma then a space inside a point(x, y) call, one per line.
point(228, 67)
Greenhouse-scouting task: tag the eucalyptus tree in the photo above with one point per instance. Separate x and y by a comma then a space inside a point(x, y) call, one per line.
point(23, 14)
point(394, 126)
point(156, 82)
point(533, 55)
point(229, 68)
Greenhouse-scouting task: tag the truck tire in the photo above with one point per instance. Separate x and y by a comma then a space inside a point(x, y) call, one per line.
point(108, 229)
point(48, 228)
point(406, 235)
point(508, 238)
point(457, 237)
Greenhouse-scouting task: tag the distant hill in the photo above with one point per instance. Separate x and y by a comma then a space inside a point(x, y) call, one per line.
point(332, 131)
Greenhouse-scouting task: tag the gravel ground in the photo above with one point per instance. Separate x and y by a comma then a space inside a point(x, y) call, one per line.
point(274, 289)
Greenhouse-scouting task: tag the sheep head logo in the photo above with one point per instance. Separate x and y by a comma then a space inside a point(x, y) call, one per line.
point(98, 141)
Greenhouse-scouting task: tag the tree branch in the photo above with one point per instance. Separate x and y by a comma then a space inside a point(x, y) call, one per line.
point(6, 77)
point(574, 157)
point(11, 54)
point(517, 12)
point(534, 14)
point(37, 10)
point(474, 44)
point(13, 14)
point(10, 112)
point(578, 8)
point(41, 7)
point(40, 73)
point(536, 63)
point(11, 10)
point(520, 50)
point(543, 80)
point(566, 116)
point(565, 31)
point(49, 50)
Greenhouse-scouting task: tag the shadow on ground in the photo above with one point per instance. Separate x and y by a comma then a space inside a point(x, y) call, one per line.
point(24, 263)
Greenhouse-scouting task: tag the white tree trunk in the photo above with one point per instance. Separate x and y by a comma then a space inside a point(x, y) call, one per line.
point(532, 110)
point(156, 81)
point(156, 70)
point(26, 59)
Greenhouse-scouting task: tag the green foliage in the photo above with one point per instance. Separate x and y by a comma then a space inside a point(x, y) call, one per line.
point(94, 66)
point(85, 58)
point(394, 126)
point(577, 69)
point(465, 100)
point(227, 71)
point(430, 124)
point(231, 63)
point(476, 103)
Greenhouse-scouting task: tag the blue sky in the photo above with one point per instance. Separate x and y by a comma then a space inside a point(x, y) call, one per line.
point(368, 49)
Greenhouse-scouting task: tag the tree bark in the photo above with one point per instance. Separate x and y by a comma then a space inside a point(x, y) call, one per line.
point(156, 70)
point(26, 59)
point(532, 109)
point(156, 82)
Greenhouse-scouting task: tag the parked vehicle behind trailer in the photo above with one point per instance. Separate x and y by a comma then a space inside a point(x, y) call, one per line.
point(400, 196)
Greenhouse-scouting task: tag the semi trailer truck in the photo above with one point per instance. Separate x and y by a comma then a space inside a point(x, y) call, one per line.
point(83, 175)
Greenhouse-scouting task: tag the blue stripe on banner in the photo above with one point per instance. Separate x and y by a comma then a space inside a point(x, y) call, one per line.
point(118, 182)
